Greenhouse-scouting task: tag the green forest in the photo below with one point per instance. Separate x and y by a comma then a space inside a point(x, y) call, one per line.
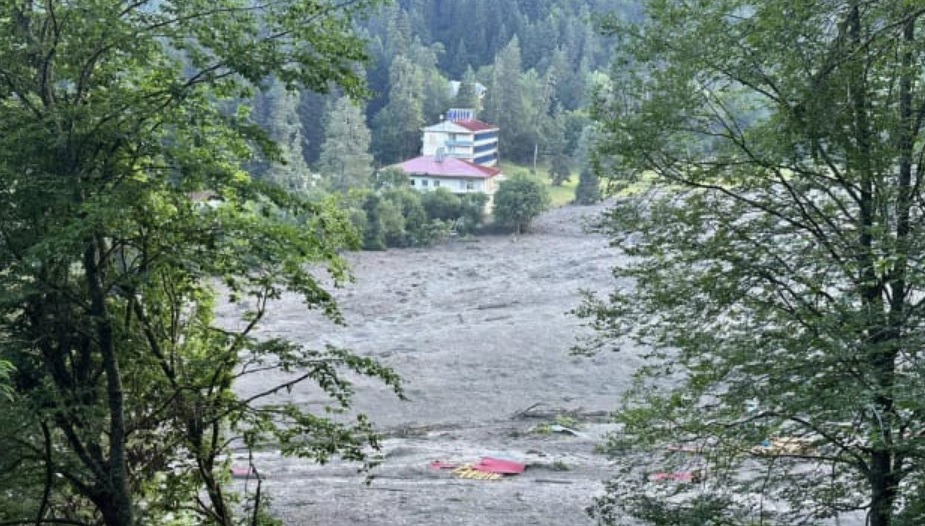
point(538, 61)
point(530, 68)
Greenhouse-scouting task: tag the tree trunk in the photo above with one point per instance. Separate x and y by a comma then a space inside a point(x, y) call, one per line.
point(887, 464)
point(115, 500)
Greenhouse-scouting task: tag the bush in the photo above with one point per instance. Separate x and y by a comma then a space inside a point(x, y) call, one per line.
point(442, 204)
point(519, 201)
point(472, 212)
point(391, 178)
point(401, 217)
point(588, 190)
point(408, 202)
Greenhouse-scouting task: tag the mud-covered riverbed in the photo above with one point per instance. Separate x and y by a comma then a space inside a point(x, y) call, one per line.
point(479, 331)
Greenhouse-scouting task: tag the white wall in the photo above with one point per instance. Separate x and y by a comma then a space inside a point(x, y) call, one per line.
point(460, 185)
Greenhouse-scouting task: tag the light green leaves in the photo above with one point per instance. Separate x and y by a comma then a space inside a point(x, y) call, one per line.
point(769, 269)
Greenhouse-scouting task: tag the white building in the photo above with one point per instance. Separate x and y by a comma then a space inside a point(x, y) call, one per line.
point(464, 137)
point(429, 172)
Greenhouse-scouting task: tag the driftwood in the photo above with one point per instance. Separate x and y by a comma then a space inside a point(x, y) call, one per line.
point(502, 305)
point(544, 412)
point(553, 481)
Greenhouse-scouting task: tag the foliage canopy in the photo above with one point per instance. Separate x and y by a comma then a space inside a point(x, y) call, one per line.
point(773, 269)
point(125, 219)
point(519, 200)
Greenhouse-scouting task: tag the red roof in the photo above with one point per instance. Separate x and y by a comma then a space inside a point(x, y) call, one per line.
point(448, 167)
point(475, 125)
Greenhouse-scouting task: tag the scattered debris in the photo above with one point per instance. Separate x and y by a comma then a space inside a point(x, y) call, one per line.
point(556, 428)
point(439, 464)
point(542, 411)
point(687, 448)
point(783, 446)
point(468, 471)
point(563, 424)
point(485, 469)
point(503, 305)
point(690, 477)
point(559, 465)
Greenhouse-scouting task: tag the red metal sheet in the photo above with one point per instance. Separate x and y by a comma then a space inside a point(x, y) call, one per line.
point(499, 466)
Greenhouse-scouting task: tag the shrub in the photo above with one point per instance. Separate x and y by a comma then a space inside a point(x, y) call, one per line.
point(472, 212)
point(588, 190)
point(442, 204)
point(519, 201)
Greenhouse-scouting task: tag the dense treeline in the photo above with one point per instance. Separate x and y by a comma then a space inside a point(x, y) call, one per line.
point(538, 62)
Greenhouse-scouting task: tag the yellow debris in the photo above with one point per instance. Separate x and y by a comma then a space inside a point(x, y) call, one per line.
point(785, 446)
point(465, 471)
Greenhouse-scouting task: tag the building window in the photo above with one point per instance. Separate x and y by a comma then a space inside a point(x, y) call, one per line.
point(424, 183)
point(412, 182)
point(436, 184)
point(462, 185)
point(470, 185)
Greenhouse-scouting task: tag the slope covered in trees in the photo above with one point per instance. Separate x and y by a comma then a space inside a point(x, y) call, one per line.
point(536, 60)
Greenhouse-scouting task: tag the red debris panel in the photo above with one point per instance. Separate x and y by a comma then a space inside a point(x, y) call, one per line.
point(680, 476)
point(439, 464)
point(499, 466)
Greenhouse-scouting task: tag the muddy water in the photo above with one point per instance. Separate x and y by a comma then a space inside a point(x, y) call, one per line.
point(479, 331)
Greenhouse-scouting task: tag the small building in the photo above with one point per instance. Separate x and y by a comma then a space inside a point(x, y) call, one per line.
point(462, 136)
point(429, 172)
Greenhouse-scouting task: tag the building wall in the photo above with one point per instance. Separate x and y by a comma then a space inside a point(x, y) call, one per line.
point(485, 149)
point(461, 185)
point(481, 148)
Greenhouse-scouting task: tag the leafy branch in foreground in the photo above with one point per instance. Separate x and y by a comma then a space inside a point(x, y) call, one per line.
point(772, 270)
point(125, 220)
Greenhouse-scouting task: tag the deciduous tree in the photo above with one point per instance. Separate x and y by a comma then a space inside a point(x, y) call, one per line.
point(125, 218)
point(773, 279)
point(519, 200)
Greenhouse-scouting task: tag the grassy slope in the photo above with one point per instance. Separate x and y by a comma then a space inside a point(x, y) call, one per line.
point(561, 195)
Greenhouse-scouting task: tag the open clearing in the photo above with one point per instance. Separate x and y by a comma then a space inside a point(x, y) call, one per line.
point(479, 331)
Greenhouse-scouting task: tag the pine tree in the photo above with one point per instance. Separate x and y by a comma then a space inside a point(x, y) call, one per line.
point(467, 96)
point(311, 116)
point(288, 170)
point(345, 161)
point(461, 61)
point(504, 103)
point(398, 125)
point(555, 149)
point(588, 190)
